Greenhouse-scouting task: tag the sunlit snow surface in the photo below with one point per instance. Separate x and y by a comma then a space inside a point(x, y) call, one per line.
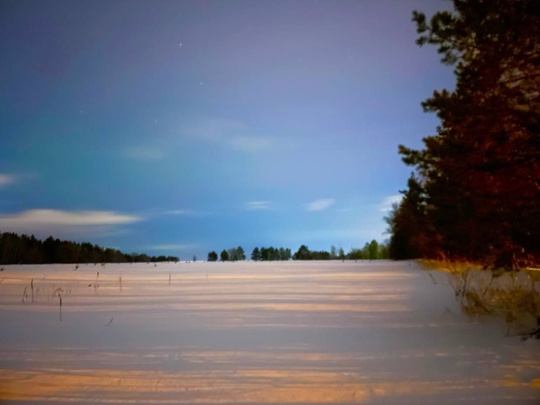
point(311, 332)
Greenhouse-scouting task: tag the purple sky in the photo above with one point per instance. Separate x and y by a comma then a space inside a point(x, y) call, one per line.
point(179, 127)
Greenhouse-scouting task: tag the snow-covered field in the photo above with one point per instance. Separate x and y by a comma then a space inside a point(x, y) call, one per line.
point(309, 332)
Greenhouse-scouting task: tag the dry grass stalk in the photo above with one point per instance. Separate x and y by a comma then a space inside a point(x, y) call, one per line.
point(24, 295)
point(511, 296)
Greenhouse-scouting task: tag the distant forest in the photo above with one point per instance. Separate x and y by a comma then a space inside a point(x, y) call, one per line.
point(474, 194)
point(371, 251)
point(23, 249)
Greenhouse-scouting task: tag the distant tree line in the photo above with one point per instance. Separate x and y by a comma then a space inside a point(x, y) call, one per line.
point(232, 255)
point(475, 191)
point(24, 249)
point(371, 251)
point(268, 254)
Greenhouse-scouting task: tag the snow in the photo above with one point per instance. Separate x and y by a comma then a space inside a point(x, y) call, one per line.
point(245, 332)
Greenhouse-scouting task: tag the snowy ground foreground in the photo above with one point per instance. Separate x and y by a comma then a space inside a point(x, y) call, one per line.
point(311, 332)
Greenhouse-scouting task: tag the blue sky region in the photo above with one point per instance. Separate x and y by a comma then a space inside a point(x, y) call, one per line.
point(179, 127)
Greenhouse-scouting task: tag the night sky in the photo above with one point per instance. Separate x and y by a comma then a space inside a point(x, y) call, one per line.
point(179, 127)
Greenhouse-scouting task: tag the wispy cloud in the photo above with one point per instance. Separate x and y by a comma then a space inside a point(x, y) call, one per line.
point(387, 202)
point(144, 153)
point(231, 134)
point(259, 205)
point(6, 179)
point(320, 205)
point(59, 222)
point(216, 129)
point(250, 144)
point(186, 213)
point(174, 246)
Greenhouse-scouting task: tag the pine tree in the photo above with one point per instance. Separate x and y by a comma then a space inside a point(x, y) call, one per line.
point(480, 173)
